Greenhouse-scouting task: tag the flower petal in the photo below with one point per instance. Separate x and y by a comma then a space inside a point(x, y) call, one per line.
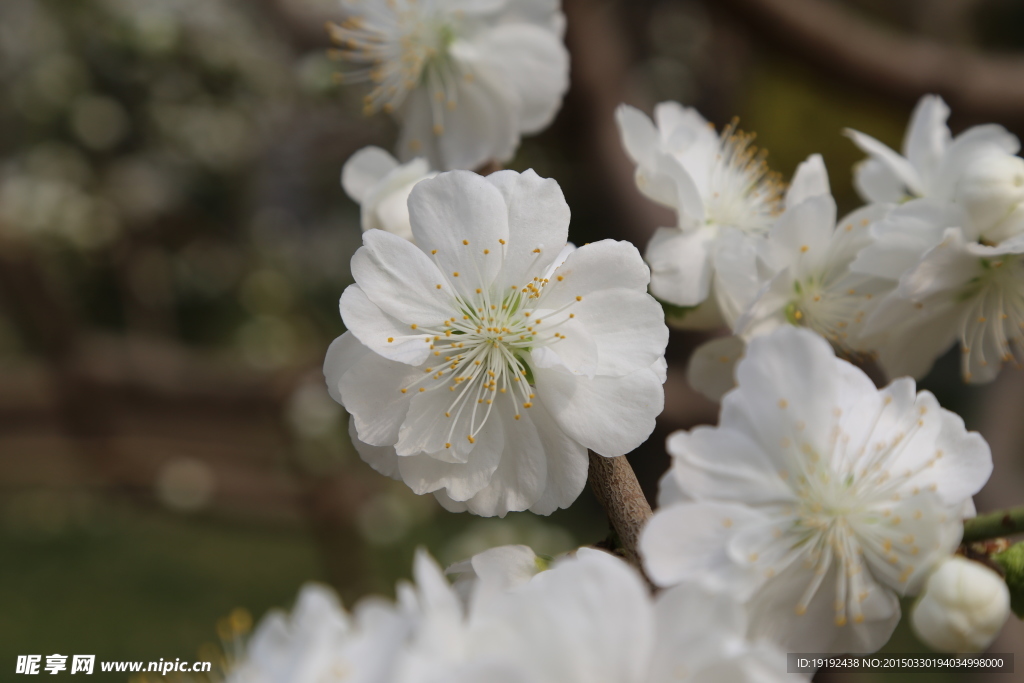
point(380, 332)
point(461, 481)
point(364, 170)
point(522, 473)
point(680, 265)
point(567, 465)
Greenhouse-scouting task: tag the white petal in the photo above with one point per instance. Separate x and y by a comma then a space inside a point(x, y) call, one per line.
point(971, 145)
point(608, 264)
point(371, 393)
point(627, 327)
point(381, 458)
point(434, 421)
point(378, 331)
point(894, 163)
point(425, 474)
point(927, 137)
point(538, 218)
point(567, 465)
point(609, 415)
point(804, 233)
point(343, 354)
point(461, 215)
point(534, 64)
point(712, 365)
point(687, 542)
point(485, 123)
point(364, 169)
point(680, 265)
point(401, 280)
point(809, 180)
point(522, 472)
point(639, 136)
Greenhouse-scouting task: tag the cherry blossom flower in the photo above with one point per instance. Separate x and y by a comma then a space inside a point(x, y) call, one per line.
point(723, 194)
point(465, 78)
point(381, 185)
point(818, 499)
point(484, 360)
point(932, 161)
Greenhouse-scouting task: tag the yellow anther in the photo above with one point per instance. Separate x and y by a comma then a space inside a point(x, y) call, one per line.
point(404, 390)
point(390, 339)
point(422, 390)
point(487, 251)
point(804, 249)
point(413, 326)
point(433, 251)
point(579, 298)
point(783, 403)
point(471, 439)
point(439, 286)
point(501, 241)
point(456, 273)
point(465, 242)
point(527, 405)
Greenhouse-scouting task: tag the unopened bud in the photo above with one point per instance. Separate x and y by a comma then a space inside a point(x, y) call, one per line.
point(992, 192)
point(963, 607)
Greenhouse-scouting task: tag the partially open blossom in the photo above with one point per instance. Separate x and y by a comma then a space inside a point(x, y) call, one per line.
point(818, 499)
point(723, 194)
point(381, 185)
point(932, 162)
point(484, 360)
point(465, 78)
point(963, 607)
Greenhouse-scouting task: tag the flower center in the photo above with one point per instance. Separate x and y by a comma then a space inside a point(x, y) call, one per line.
point(398, 45)
point(483, 351)
point(745, 193)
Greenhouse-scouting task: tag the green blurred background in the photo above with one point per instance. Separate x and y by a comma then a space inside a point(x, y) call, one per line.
point(174, 239)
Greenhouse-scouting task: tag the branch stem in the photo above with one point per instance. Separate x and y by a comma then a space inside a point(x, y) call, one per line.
point(619, 493)
point(994, 525)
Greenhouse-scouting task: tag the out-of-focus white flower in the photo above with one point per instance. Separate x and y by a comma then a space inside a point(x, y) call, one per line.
point(465, 78)
point(818, 498)
point(963, 607)
point(381, 185)
point(932, 162)
point(723, 194)
point(483, 361)
point(591, 618)
point(494, 571)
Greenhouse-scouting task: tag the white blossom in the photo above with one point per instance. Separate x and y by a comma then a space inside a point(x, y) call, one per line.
point(484, 360)
point(932, 162)
point(724, 195)
point(818, 499)
point(807, 280)
point(465, 78)
point(591, 618)
point(962, 608)
point(381, 185)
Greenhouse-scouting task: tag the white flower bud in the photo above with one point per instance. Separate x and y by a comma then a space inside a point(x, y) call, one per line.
point(992, 192)
point(382, 186)
point(963, 607)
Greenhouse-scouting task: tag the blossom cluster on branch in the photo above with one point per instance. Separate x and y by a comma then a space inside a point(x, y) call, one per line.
point(485, 355)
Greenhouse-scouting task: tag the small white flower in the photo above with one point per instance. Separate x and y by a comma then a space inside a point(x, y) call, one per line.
point(483, 361)
point(723, 193)
point(465, 78)
point(818, 498)
point(381, 185)
point(932, 161)
point(963, 607)
point(591, 618)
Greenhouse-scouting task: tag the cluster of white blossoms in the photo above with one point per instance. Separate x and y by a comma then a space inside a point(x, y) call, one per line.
point(586, 618)
point(818, 499)
point(936, 256)
point(464, 78)
point(486, 356)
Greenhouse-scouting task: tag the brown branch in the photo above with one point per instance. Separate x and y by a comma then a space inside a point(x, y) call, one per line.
point(619, 493)
point(902, 66)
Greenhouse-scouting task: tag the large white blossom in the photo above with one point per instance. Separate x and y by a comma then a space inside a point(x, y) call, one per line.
point(465, 78)
point(932, 161)
point(724, 196)
point(381, 185)
point(818, 498)
point(484, 360)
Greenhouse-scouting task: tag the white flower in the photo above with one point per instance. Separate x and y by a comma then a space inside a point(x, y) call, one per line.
point(381, 185)
point(992, 194)
point(465, 78)
point(963, 607)
point(817, 498)
point(482, 362)
point(591, 618)
point(932, 161)
point(723, 194)
point(809, 281)
point(959, 289)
